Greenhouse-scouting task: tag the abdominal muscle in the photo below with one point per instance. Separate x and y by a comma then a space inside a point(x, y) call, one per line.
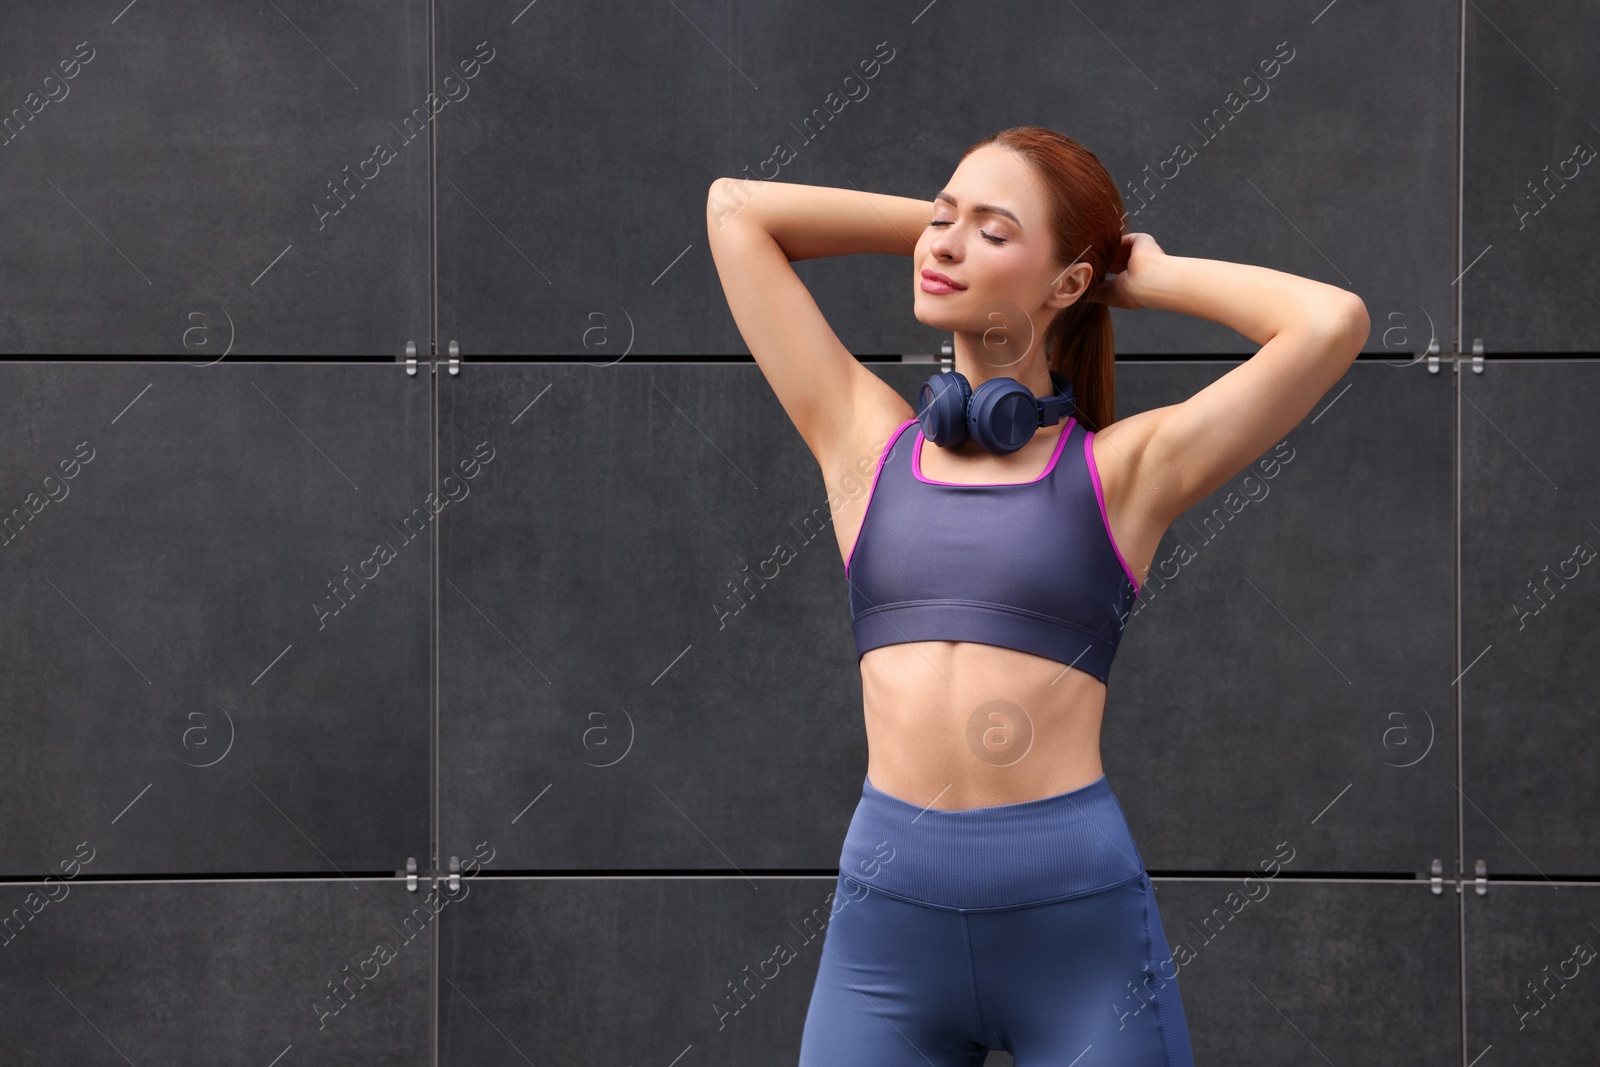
point(957, 724)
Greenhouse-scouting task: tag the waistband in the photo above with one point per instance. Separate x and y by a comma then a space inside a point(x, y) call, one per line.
point(985, 859)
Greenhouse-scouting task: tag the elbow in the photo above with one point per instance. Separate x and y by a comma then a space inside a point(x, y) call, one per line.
point(724, 199)
point(1348, 326)
point(714, 199)
point(1360, 325)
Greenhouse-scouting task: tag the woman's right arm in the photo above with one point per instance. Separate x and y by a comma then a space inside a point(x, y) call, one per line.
point(756, 230)
point(812, 221)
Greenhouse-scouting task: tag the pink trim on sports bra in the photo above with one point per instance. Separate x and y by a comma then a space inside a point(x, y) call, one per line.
point(1061, 443)
point(1100, 498)
point(887, 448)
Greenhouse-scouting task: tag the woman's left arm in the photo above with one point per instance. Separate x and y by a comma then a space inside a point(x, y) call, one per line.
point(1309, 333)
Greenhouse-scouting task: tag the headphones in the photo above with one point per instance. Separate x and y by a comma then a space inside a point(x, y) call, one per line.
point(1001, 414)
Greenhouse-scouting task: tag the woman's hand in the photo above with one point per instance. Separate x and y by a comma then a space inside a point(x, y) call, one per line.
point(1131, 269)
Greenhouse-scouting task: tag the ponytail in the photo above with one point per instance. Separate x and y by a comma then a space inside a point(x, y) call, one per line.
point(1079, 346)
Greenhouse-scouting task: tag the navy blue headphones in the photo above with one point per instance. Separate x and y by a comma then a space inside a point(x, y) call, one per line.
point(1001, 415)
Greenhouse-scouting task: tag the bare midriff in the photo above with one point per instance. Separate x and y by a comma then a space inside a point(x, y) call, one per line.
point(956, 724)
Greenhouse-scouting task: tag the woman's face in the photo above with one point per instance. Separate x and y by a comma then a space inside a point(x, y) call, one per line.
point(990, 234)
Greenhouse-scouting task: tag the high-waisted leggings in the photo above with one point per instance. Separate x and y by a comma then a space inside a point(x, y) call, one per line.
point(1028, 927)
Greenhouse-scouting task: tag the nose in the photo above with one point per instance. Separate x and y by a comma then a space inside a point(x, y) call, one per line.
point(944, 243)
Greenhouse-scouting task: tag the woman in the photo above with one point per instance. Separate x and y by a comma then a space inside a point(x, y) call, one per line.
point(990, 894)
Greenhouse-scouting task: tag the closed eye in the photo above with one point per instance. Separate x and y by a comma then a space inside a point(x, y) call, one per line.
point(946, 222)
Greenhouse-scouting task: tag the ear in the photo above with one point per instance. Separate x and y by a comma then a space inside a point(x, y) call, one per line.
point(1069, 285)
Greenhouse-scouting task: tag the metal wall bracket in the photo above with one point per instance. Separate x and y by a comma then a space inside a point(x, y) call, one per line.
point(1482, 870)
point(455, 874)
point(410, 357)
point(411, 874)
point(1435, 357)
point(1438, 877)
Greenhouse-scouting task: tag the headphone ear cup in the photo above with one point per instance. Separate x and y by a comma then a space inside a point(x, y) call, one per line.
point(942, 408)
point(1003, 415)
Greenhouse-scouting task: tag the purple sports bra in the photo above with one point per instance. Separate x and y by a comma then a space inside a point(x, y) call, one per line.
point(1026, 565)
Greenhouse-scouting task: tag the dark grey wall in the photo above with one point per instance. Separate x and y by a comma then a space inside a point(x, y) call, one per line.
point(275, 628)
point(174, 194)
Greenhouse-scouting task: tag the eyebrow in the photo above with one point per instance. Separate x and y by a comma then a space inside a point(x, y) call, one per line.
point(979, 209)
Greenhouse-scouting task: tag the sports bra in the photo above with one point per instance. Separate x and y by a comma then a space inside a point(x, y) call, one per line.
point(1029, 565)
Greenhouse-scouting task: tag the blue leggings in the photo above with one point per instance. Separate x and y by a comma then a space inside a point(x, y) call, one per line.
point(1028, 927)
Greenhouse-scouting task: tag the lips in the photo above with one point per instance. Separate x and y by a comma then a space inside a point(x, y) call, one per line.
point(941, 279)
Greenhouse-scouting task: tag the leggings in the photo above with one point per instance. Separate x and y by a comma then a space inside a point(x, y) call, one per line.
point(1028, 927)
